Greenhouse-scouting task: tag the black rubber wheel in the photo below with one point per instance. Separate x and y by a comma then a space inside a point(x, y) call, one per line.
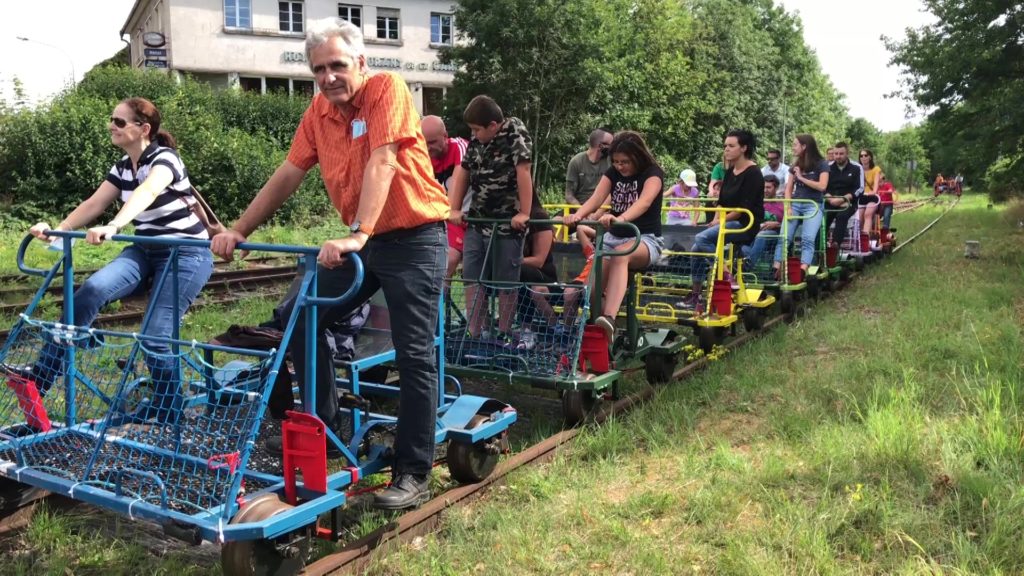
point(576, 405)
point(858, 263)
point(844, 275)
point(813, 287)
point(708, 337)
point(788, 303)
point(282, 556)
point(753, 319)
point(659, 367)
point(471, 463)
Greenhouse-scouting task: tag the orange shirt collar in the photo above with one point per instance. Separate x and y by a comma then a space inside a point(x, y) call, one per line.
point(336, 113)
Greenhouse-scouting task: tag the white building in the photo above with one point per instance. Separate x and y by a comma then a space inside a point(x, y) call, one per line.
point(259, 44)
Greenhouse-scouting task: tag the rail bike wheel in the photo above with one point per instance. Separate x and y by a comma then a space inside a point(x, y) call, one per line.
point(658, 368)
point(470, 463)
point(753, 319)
point(576, 405)
point(282, 556)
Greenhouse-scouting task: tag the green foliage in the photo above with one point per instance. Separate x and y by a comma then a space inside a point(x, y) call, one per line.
point(896, 149)
point(969, 68)
point(1005, 177)
point(54, 156)
point(863, 134)
point(678, 72)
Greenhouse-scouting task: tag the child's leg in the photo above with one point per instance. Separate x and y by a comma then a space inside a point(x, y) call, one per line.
point(618, 276)
point(473, 271)
point(508, 254)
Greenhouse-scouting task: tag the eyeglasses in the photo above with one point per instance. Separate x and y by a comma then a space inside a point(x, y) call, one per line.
point(121, 122)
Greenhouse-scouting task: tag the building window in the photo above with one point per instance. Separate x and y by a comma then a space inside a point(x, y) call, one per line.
point(302, 87)
point(238, 14)
point(353, 14)
point(387, 24)
point(433, 101)
point(290, 16)
point(250, 84)
point(276, 85)
point(270, 85)
point(441, 29)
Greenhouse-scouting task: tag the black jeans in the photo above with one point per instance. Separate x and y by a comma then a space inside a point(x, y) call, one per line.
point(409, 266)
point(842, 220)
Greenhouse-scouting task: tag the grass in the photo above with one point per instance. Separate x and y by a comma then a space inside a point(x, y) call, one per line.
point(882, 434)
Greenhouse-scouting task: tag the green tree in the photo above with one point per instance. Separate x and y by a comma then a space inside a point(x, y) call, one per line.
point(969, 68)
point(863, 134)
point(680, 72)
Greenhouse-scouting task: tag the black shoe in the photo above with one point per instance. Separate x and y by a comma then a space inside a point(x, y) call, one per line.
point(275, 446)
point(407, 491)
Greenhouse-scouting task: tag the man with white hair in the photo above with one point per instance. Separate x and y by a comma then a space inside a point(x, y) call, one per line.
point(445, 154)
point(364, 132)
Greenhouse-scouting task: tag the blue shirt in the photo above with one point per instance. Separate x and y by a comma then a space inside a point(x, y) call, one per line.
point(805, 192)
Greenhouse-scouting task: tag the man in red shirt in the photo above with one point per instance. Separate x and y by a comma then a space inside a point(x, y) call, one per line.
point(445, 154)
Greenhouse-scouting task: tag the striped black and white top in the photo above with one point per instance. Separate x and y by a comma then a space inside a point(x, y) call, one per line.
point(170, 214)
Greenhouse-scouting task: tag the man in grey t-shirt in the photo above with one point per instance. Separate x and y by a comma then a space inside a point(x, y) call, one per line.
point(586, 168)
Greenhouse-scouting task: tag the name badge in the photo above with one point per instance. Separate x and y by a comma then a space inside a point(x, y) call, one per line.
point(358, 128)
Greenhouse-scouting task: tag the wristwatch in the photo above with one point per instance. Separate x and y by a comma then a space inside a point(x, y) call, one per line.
point(357, 226)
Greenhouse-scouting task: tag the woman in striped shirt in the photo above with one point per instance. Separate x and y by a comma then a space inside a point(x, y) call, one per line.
point(153, 184)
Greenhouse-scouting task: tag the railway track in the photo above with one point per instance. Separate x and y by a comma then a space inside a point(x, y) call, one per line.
point(224, 287)
point(354, 557)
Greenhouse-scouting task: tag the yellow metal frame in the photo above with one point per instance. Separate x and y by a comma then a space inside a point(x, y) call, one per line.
point(561, 211)
point(659, 312)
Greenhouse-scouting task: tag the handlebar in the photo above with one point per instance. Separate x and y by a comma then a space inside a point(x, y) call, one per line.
point(192, 242)
point(592, 223)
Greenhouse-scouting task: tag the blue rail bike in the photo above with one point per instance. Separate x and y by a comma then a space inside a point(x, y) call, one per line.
point(179, 446)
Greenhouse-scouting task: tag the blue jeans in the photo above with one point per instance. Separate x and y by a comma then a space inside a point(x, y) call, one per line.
point(764, 243)
point(707, 240)
point(409, 266)
point(886, 215)
point(810, 227)
point(130, 273)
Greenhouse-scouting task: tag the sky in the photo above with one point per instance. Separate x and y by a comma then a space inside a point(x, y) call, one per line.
point(845, 36)
point(64, 35)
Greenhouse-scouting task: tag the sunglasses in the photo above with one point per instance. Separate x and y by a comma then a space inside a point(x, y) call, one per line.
point(865, 155)
point(121, 122)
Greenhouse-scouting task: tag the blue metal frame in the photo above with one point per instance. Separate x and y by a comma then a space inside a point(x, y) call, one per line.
point(454, 409)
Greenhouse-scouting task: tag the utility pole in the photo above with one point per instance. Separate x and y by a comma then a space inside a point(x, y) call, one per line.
point(57, 48)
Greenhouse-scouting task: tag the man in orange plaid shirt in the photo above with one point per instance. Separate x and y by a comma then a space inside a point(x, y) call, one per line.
point(364, 132)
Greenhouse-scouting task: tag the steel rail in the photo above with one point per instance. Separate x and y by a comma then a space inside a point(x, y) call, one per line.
point(356, 556)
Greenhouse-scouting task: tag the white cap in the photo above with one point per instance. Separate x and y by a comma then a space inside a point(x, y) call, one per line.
point(689, 177)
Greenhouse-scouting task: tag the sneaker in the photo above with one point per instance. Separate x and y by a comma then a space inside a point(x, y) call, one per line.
point(407, 491)
point(526, 341)
point(608, 325)
point(692, 301)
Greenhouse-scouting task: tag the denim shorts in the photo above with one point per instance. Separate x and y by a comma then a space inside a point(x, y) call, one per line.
point(655, 244)
point(503, 262)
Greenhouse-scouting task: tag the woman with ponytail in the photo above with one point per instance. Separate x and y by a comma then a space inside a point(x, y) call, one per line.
point(153, 184)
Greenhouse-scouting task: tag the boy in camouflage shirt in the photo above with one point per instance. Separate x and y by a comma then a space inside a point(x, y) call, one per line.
point(497, 166)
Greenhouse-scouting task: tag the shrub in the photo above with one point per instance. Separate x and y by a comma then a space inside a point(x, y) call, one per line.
point(53, 157)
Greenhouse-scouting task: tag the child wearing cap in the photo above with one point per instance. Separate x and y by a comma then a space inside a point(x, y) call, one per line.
point(686, 187)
